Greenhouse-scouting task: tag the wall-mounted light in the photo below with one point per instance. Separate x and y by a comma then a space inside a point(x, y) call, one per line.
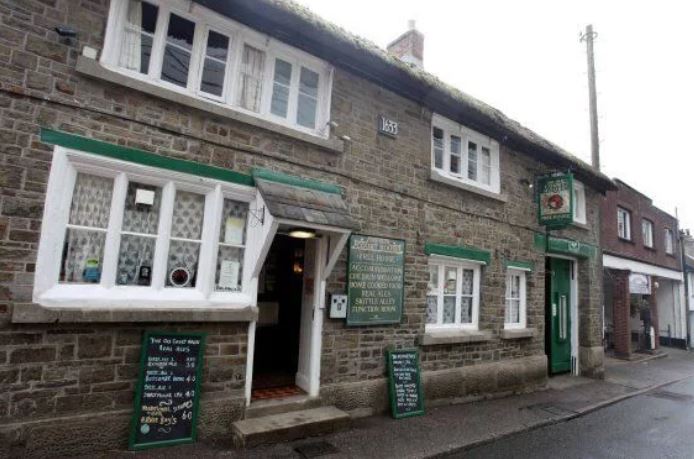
point(302, 233)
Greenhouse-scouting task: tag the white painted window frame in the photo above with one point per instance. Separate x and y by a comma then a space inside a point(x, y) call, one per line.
point(441, 262)
point(239, 35)
point(580, 203)
point(647, 233)
point(106, 294)
point(626, 215)
point(450, 127)
point(522, 306)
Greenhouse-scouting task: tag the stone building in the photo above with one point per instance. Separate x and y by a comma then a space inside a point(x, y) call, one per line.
point(157, 157)
point(644, 282)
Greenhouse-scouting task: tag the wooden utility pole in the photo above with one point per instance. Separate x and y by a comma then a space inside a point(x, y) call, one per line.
point(588, 37)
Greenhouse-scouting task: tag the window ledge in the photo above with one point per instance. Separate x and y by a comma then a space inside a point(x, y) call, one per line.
point(438, 177)
point(518, 333)
point(93, 68)
point(579, 225)
point(31, 313)
point(432, 338)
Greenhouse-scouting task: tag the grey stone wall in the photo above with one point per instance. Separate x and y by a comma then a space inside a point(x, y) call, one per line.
point(58, 370)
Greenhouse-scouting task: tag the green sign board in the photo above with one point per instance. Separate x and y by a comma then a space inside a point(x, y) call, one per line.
point(168, 390)
point(375, 280)
point(404, 383)
point(555, 203)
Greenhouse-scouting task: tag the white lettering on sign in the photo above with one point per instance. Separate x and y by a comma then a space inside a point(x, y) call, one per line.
point(387, 126)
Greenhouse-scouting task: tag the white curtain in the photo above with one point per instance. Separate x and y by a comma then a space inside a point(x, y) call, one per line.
point(131, 46)
point(251, 84)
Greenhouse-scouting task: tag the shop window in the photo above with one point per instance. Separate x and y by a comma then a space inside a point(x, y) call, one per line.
point(579, 203)
point(669, 242)
point(623, 224)
point(647, 232)
point(189, 49)
point(131, 234)
point(461, 155)
point(515, 315)
point(453, 295)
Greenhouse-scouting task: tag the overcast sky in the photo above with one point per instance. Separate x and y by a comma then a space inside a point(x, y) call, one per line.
point(525, 59)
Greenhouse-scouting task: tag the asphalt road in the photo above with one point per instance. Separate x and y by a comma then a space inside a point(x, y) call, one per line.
point(657, 424)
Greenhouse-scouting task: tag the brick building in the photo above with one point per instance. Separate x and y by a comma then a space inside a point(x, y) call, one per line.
point(158, 161)
point(643, 273)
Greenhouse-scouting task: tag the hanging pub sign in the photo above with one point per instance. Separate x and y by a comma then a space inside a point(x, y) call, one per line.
point(555, 200)
point(168, 390)
point(375, 280)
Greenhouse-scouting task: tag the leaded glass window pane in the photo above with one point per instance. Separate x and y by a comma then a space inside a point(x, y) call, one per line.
point(448, 309)
point(186, 231)
point(466, 310)
point(141, 213)
point(91, 201)
point(432, 309)
point(82, 256)
point(135, 260)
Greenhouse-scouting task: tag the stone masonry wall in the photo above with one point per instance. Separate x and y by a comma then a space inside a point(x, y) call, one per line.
point(57, 370)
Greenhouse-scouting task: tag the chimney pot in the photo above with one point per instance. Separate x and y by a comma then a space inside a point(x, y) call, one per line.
point(409, 47)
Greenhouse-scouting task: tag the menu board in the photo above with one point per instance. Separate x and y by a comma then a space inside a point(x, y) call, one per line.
point(375, 280)
point(168, 389)
point(404, 383)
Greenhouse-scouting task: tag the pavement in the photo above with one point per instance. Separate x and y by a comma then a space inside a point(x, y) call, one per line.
point(456, 429)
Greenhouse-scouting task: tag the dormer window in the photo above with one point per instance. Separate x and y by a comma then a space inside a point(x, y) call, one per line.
point(461, 155)
point(190, 49)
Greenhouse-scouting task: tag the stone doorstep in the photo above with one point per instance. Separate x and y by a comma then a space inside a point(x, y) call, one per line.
point(289, 426)
point(263, 408)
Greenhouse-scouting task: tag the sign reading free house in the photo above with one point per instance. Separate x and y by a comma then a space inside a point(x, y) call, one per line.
point(375, 280)
point(555, 203)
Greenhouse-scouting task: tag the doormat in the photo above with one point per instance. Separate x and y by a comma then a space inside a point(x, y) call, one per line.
point(316, 449)
point(275, 392)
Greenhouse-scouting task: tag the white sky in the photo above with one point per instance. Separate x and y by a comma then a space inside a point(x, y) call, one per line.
point(524, 58)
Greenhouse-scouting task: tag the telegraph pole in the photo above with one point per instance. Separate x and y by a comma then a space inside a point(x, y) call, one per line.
point(588, 37)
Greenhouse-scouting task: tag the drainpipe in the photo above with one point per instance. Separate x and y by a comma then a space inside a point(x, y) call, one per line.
point(685, 276)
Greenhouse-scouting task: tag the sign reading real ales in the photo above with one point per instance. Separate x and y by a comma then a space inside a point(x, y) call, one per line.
point(404, 383)
point(168, 390)
point(555, 200)
point(375, 280)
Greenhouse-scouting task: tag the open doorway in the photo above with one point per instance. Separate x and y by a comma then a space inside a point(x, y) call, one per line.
point(277, 336)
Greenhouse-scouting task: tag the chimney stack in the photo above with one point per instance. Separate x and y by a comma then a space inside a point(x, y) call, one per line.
point(409, 47)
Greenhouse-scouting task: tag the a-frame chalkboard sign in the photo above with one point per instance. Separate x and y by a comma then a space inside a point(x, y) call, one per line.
point(168, 390)
point(404, 383)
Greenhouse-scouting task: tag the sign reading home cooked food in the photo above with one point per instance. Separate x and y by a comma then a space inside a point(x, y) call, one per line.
point(168, 390)
point(555, 203)
point(404, 383)
point(375, 280)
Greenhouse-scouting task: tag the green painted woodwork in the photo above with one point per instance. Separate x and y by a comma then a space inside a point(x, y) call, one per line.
point(279, 177)
point(564, 246)
point(145, 158)
point(404, 383)
point(559, 316)
point(468, 253)
point(526, 265)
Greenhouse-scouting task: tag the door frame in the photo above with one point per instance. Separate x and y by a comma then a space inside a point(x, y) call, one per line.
point(573, 311)
point(329, 244)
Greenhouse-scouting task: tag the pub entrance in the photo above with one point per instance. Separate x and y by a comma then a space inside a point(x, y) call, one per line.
point(277, 336)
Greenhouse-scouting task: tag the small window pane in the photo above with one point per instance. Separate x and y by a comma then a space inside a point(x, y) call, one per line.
point(455, 154)
point(136, 47)
point(468, 277)
point(472, 161)
point(486, 166)
point(189, 209)
point(280, 91)
point(229, 271)
point(82, 256)
point(451, 280)
point(448, 309)
point(512, 311)
point(217, 46)
point(308, 98)
point(182, 266)
point(179, 41)
point(432, 309)
point(438, 148)
point(466, 310)
point(135, 260)
point(251, 78)
point(141, 213)
point(233, 229)
point(214, 67)
point(91, 201)
point(180, 32)
point(433, 278)
point(232, 237)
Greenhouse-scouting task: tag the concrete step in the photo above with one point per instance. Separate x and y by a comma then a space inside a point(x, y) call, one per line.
point(262, 408)
point(289, 426)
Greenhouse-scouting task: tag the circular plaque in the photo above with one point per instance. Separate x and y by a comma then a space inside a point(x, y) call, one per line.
point(179, 277)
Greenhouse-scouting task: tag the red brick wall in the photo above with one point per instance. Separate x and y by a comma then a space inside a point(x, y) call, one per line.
point(640, 207)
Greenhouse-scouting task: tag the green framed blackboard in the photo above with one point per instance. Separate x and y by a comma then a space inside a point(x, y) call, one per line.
point(404, 383)
point(167, 396)
point(375, 280)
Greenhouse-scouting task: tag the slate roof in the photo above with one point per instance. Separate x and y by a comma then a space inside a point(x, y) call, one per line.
point(300, 27)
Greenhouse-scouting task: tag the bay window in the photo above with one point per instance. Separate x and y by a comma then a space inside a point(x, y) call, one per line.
point(515, 299)
point(126, 235)
point(187, 48)
point(461, 155)
point(452, 294)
